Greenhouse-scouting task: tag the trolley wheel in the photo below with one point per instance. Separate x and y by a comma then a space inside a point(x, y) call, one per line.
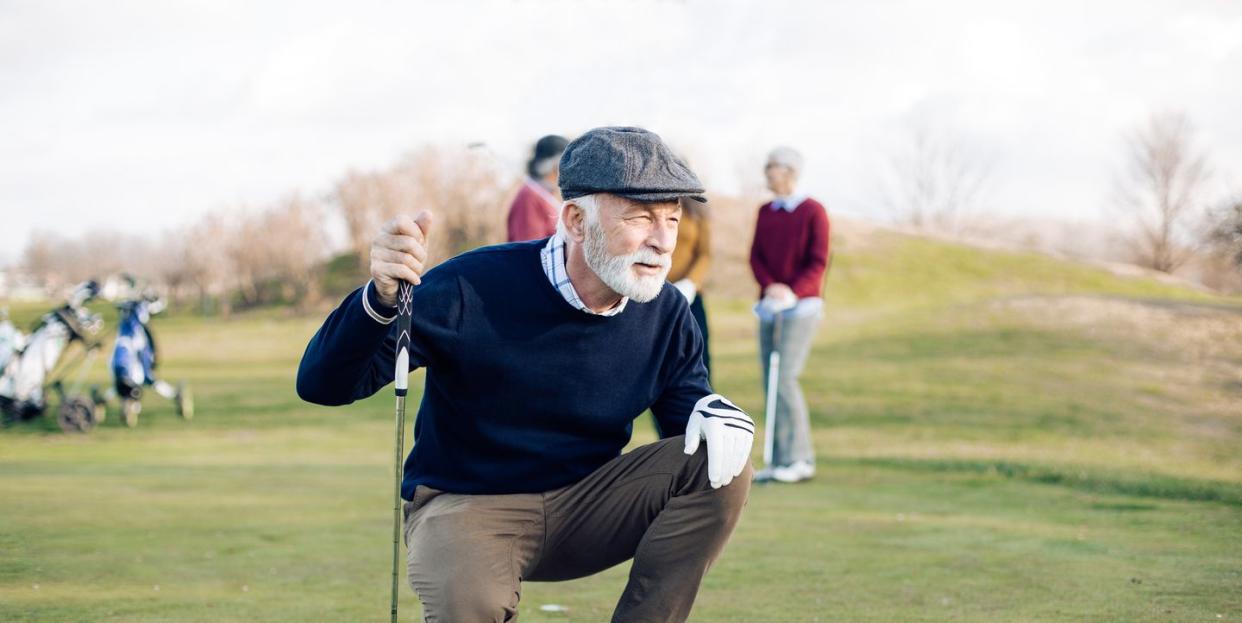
point(185, 401)
point(76, 415)
point(129, 411)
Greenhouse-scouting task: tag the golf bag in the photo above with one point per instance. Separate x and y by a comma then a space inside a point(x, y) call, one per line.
point(135, 358)
point(36, 364)
point(11, 340)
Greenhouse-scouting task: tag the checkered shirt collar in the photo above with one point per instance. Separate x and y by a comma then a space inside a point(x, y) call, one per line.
point(553, 257)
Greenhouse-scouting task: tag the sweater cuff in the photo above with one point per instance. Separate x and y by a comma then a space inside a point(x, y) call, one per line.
point(379, 312)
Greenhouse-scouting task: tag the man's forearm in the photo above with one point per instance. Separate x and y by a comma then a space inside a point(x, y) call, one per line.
point(347, 359)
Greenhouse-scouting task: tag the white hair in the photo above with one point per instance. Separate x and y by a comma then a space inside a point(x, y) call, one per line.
point(545, 166)
point(590, 209)
point(786, 157)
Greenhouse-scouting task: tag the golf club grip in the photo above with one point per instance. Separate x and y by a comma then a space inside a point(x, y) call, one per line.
point(401, 373)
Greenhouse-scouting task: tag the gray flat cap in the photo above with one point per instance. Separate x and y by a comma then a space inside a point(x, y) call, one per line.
point(629, 162)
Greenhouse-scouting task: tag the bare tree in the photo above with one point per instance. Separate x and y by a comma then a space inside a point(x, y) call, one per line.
point(59, 260)
point(169, 268)
point(295, 256)
point(41, 258)
point(464, 189)
point(933, 180)
point(1226, 233)
point(1162, 189)
point(366, 200)
point(202, 251)
point(274, 253)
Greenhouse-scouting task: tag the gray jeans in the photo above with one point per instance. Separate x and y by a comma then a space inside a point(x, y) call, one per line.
point(792, 422)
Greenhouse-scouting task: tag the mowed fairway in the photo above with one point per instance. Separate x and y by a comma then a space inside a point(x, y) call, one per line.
point(1001, 437)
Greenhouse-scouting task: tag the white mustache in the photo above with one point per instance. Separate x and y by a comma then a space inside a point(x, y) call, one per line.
point(647, 256)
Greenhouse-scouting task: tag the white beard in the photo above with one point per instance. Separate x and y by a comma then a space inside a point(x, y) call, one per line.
point(617, 271)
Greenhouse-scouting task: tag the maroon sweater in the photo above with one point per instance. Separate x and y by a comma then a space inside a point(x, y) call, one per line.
point(791, 248)
point(531, 216)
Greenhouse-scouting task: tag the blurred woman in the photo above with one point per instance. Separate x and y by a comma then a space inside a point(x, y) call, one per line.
point(691, 261)
point(789, 257)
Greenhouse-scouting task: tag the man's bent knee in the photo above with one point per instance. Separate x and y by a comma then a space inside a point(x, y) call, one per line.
point(736, 492)
point(461, 574)
point(469, 600)
point(694, 473)
point(464, 597)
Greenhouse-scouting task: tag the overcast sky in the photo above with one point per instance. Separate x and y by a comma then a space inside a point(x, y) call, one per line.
point(141, 115)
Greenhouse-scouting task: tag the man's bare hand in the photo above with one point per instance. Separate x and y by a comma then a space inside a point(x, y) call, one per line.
point(780, 292)
point(399, 253)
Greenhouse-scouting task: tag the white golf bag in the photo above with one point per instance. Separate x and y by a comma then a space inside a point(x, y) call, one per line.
point(11, 339)
point(34, 364)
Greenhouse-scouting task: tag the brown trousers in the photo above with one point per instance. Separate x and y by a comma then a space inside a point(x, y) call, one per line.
point(468, 554)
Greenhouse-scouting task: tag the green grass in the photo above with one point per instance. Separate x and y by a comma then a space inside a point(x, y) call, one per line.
point(977, 461)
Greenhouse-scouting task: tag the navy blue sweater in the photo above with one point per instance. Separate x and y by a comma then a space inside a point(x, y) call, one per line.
point(523, 392)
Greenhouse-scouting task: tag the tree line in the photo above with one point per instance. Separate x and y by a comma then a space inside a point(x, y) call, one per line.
point(277, 253)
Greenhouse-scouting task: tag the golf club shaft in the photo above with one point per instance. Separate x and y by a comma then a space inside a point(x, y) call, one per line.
point(769, 416)
point(401, 373)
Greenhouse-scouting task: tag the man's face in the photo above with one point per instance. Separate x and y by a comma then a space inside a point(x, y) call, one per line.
point(780, 177)
point(630, 244)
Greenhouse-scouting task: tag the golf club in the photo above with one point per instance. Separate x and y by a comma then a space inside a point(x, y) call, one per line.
point(401, 375)
point(769, 415)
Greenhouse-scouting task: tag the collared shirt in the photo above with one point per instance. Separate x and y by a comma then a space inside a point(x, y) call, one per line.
point(553, 257)
point(788, 203)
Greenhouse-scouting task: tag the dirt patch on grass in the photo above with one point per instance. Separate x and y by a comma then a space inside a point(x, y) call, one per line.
point(1195, 331)
point(1188, 353)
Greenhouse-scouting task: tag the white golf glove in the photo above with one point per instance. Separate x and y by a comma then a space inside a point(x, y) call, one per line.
point(687, 289)
point(729, 433)
point(775, 306)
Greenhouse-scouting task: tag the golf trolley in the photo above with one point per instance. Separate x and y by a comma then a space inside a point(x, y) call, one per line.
point(34, 366)
point(134, 361)
point(10, 338)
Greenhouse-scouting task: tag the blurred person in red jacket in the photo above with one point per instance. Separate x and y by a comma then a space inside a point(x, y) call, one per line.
point(789, 256)
point(537, 206)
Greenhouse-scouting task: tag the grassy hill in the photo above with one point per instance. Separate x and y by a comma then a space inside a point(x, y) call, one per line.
point(1001, 436)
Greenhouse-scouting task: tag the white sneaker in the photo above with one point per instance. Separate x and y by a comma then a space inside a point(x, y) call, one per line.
point(797, 472)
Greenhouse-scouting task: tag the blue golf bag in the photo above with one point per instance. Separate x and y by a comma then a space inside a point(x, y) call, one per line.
point(135, 358)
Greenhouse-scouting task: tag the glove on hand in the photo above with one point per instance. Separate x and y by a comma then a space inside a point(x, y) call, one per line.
point(729, 433)
point(777, 305)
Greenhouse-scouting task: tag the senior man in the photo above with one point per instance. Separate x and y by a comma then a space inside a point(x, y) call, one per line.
point(539, 356)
